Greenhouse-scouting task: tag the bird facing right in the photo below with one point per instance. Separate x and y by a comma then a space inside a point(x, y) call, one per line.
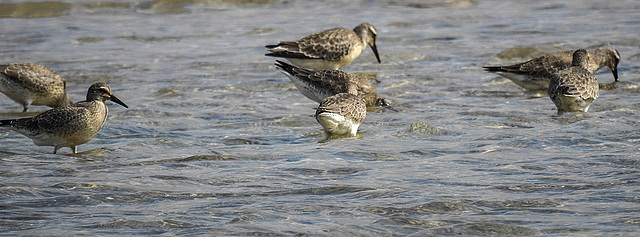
point(320, 84)
point(31, 84)
point(341, 114)
point(536, 73)
point(329, 49)
point(68, 126)
point(574, 89)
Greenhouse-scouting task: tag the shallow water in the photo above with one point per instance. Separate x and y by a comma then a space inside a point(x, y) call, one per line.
point(216, 141)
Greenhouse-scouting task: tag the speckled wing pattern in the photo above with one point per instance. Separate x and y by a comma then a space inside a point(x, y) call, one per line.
point(36, 78)
point(575, 82)
point(332, 82)
point(60, 122)
point(347, 105)
point(332, 44)
point(544, 66)
point(342, 82)
point(549, 64)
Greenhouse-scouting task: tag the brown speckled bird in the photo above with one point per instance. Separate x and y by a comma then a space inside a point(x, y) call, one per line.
point(329, 49)
point(536, 73)
point(68, 126)
point(320, 84)
point(574, 89)
point(31, 84)
point(341, 114)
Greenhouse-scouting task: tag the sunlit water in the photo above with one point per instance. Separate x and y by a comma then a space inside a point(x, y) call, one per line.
point(217, 142)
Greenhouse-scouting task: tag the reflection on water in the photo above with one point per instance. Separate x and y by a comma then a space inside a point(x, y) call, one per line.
point(217, 142)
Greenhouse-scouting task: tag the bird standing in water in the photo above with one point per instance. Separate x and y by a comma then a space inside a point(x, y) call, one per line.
point(536, 73)
point(329, 49)
point(574, 89)
point(68, 126)
point(31, 84)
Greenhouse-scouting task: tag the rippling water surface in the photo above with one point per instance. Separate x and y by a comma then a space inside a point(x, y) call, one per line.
point(217, 142)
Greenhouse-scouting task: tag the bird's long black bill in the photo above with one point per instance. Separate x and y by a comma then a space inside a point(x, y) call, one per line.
point(375, 51)
point(615, 73)
point(115, 99)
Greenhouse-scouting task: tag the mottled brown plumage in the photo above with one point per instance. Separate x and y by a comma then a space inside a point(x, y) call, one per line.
point(320, 84)
point(68, 126)
point(31, 84)
point(341, 114)
point(536, 73)
point(329, 49)
point(574, 89)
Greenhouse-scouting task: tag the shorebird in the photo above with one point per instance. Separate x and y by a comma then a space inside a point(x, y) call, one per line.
point(31, 84)
point(320, 84)
point(329, 49)
point(341, 114)
point(575, 88)
point(68, 126)
point(536, 73)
